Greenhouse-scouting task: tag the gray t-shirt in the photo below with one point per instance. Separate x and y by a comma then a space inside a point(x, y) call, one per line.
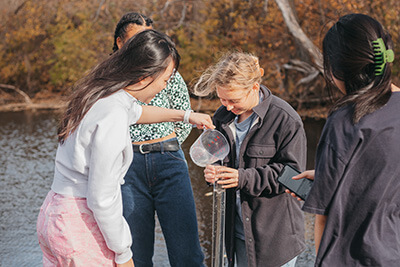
point(357, 185)
point(242, 129)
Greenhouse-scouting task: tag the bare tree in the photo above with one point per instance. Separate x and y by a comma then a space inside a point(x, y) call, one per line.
point(298, 33)
point(310, 71)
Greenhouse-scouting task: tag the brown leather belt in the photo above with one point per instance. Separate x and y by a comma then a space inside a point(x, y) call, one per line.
point(170, 145)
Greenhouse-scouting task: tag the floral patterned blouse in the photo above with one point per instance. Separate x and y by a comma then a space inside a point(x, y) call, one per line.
point(174, 96)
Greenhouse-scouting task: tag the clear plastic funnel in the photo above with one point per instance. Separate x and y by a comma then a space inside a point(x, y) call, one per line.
point(209, 147)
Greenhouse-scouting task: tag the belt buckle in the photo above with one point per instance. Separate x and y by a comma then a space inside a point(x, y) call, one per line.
point(141, 149)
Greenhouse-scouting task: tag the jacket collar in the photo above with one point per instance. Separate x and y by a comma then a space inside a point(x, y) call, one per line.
point(225, 116)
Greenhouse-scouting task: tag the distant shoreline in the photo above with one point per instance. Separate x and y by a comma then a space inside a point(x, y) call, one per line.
point(208, 106)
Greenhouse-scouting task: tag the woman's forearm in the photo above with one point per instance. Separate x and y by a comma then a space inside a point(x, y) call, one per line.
point(152, 114)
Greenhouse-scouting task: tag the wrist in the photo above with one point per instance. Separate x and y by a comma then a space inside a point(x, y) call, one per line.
point(187, 115)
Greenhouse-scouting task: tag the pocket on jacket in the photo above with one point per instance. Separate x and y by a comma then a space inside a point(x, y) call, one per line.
point(260, 154)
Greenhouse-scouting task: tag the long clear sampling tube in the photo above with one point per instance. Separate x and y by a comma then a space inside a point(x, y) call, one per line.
point(218, 226)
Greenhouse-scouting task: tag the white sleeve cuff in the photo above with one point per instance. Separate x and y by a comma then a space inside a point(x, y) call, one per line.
point(123, 257)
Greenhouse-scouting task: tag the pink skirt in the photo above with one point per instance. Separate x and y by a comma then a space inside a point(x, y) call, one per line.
point(69, 235)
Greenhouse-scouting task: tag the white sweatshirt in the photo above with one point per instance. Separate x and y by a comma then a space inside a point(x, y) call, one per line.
point(93, 161)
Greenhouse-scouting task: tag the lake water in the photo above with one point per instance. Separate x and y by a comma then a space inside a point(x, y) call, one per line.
point(28, 145)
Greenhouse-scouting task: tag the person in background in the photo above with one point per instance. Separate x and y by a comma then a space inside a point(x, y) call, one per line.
point(355, 194)
point(80, 222)
point(264, 226)
point(158, 180)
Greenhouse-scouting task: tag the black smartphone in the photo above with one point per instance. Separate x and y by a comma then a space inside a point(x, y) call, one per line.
point(300, 187)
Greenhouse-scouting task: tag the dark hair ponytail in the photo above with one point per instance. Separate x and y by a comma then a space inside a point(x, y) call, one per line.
point(349, 57)
point(147, 54)
point(124, 23)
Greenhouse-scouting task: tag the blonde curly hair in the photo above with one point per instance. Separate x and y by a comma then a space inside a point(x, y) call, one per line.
point(233, 70)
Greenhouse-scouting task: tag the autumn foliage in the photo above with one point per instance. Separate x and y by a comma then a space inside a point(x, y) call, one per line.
point(48, 45)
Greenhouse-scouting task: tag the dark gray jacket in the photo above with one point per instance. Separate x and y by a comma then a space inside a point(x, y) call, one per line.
point(273, 221)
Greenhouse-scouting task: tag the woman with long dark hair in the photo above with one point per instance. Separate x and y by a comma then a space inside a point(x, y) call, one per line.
point(80, 222)
point(163, 188)
point(355, 195)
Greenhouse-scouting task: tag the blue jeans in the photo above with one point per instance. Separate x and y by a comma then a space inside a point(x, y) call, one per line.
point(159, 181)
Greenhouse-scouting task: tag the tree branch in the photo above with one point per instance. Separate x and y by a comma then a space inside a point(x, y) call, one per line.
point(183, 16)
point(99, 10)
point(266, 6)
point(19, 91)
point(303, 67)
point(165, 7)
point(20, 7)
